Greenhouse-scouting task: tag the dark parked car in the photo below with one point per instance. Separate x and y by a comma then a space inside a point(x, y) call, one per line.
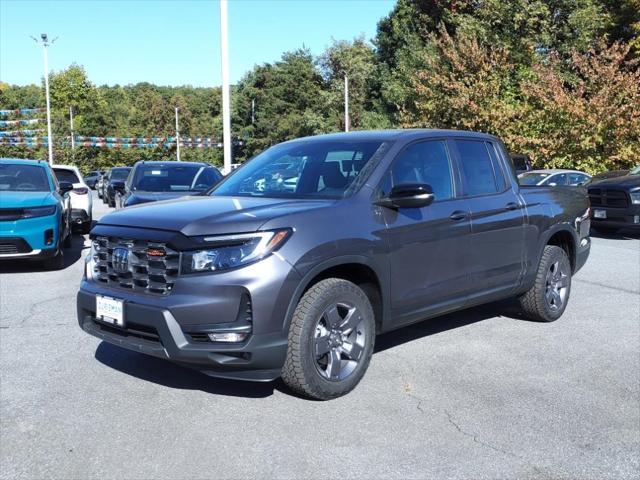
point(153, 181)
point(522, 163)
point(91, 179)
point(116, 174)
point(380, 230)
point(610, 174)
point(615, 203)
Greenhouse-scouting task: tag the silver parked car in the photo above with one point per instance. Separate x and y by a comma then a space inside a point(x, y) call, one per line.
point(554, 177)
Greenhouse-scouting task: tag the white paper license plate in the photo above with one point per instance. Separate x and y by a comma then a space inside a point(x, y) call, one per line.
point(599, 214)
point(110, 310)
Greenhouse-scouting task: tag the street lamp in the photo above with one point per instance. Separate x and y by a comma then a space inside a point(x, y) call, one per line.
point(44, 41)
point(346, 103)
point(177, 136)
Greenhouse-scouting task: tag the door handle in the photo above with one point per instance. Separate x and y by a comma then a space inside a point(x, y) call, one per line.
point(458, 215)
point(511, 206)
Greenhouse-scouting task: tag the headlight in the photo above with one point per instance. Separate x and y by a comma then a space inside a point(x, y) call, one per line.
point(38, 211)
point(635, 198)
point(232, 251)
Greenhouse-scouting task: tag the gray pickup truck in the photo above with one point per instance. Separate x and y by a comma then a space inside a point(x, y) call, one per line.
point(293, 264)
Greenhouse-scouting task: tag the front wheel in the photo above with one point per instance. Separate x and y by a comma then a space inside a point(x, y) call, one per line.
point(547, 299)
point(331, 340)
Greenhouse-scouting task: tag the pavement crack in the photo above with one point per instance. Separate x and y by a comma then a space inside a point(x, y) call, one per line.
point(476, 439)
point(34, 306)
point(604, 285)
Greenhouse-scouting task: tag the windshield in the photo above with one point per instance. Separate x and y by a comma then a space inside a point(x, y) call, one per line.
point(310, 169)
point(174, 178)
point(532, 178)
point(635, 171)
point(23, 178)
point(64, 175)
point(120, 173)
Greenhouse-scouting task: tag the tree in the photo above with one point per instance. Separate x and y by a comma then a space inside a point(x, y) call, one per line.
point(357, 61)
point(288, 98)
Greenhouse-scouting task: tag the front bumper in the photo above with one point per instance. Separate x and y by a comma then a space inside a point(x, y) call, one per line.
point(154, 331)
point(175, 326)
point(30, 236)
point(79, 216)
point(617, 217)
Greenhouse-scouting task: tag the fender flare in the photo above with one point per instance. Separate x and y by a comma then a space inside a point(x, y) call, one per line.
point(306, 279)
point(556, 228)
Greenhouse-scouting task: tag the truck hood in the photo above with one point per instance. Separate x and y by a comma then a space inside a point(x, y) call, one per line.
point(26, 199)
point(624, 182)
point(138, 197)
point(206, 215)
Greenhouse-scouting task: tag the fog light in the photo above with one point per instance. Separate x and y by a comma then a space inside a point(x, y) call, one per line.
point(48, 237)
point(229, 337)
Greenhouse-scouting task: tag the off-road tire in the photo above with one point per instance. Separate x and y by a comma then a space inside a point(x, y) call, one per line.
point(533, 302)
point(299, 371)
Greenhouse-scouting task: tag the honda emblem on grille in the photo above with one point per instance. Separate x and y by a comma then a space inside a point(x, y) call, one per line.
point(120, 259)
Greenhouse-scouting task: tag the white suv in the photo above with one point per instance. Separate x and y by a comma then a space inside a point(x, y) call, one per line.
point(81, 201)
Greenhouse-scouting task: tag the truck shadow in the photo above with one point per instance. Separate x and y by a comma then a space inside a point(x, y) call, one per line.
point(163, 372)
point(172, 375)
point(71, 256)
point(504, 308)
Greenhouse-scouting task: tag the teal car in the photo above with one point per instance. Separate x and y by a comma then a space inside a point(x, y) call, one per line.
point(35, 220)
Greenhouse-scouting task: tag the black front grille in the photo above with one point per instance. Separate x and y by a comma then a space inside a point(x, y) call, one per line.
point(604, 197)
point(132, 330)
point(151, 267)
point(11, 246)
point(9, 214)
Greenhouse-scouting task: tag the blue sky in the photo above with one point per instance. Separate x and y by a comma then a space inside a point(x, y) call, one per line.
point(170, 42)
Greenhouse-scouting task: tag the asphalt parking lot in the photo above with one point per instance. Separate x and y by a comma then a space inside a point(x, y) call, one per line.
point(477, 394)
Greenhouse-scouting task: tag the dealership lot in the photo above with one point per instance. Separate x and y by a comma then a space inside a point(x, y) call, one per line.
point(477, 394)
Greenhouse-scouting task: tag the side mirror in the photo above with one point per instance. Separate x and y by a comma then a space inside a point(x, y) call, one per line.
point(65, 187)
point(408, 195)
point(118, 186)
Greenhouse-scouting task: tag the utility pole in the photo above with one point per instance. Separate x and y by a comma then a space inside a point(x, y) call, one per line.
point(346, 103)
point(226, 107)
point(44, 41)
point(177, 136)
point(73, 140)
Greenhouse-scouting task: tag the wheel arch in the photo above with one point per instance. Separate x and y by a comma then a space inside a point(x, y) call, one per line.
point(563, 236)
point(357, 269)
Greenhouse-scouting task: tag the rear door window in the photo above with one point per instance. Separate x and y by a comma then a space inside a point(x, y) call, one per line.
point(477, 168)
point(64, 175)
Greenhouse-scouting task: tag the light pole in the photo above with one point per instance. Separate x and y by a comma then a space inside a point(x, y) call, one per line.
point(73, 140)
point(346, 103)
point(177, 137)
point(226, 108)
point(44, 41)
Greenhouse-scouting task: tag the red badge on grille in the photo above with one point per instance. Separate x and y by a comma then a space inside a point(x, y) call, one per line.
point(155, 252)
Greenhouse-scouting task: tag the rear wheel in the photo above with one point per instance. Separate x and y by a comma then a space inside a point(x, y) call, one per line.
point(331, 340)
point(56, 262)
point(86, 226)
point(548, 298)
point(68, 240)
